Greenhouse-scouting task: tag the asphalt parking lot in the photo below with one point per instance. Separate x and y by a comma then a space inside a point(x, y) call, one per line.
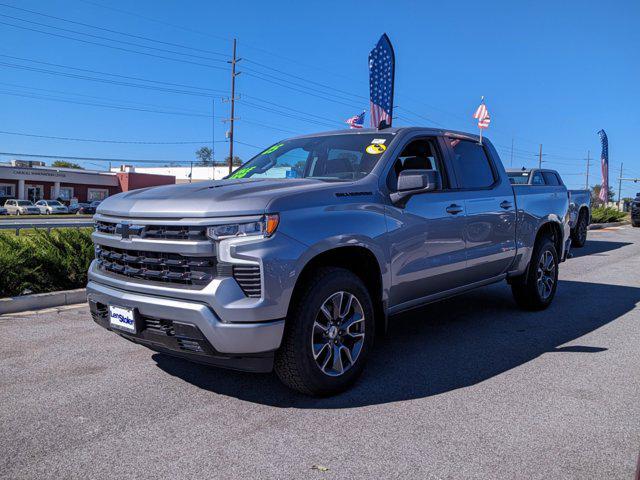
point(468, 388)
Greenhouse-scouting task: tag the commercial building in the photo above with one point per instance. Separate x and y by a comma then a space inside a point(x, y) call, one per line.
point(185, 174)
point(70, 184)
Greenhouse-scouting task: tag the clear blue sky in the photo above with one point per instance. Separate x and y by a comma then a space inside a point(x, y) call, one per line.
point(552, 73)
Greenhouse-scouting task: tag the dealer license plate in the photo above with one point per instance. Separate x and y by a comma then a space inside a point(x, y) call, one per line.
point(122, 318)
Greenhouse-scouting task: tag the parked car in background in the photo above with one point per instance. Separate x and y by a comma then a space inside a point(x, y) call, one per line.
point(95, 203)
point(296, 259)
point(84, 209)
point(4, 211)
point(21, 207)
point(579, 200)
point(50, 207)
point(635, 211)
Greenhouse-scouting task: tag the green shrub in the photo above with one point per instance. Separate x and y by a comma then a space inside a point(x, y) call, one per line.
point(606, 215)
point(43, 261)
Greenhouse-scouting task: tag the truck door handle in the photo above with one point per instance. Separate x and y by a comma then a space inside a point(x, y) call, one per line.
point(454, 209)
point(506, 205)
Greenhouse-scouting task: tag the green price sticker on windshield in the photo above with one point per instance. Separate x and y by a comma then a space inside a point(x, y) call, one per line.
point(241, 173)
point(272, 149)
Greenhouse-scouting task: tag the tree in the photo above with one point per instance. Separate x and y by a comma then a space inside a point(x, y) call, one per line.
point(65, 164)
point(205, 156)
point(595, 195)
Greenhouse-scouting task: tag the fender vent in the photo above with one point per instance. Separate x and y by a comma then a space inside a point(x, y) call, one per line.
point(249, 279)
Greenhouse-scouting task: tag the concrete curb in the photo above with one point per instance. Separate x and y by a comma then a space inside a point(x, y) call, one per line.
point(598, 226)
point(39, 301)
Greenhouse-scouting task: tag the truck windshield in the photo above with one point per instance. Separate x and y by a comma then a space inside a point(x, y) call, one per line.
point(329, 157)
point(518, 178)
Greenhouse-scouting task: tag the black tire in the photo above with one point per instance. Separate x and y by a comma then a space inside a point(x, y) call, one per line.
point(579, 232)
point(635, 223)
point(295, 364)
point(525, 289)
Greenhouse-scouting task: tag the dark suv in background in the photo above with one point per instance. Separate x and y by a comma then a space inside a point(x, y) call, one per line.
point(635, 211)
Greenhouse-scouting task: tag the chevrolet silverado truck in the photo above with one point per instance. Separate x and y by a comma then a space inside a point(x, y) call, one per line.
point(579, 200)
point(295, 260)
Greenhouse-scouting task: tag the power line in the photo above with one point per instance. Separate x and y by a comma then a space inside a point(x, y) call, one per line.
point(140, 79)
point(114, 31)
point(95, 159)
point(128, 50)
point(99, 37)
point(102, 80)
point(103, 105)
point(93, 140)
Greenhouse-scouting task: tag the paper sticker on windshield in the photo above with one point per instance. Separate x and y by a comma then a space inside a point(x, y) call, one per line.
point(272, 149)
point(376, 148)
point(241, 173)
point(379, 140)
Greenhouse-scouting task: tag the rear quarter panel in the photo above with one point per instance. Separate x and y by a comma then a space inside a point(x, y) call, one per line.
point(537, 205)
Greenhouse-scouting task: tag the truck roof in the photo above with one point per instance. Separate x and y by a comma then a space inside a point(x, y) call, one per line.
point(393, 131)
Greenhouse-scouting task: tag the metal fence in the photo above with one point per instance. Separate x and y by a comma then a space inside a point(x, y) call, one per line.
point(43, 226)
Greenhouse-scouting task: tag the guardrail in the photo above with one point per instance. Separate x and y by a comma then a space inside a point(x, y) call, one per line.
point(43, 226)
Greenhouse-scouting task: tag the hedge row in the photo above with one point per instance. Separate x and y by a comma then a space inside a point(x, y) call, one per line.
point(44, 262)
point(606, 215)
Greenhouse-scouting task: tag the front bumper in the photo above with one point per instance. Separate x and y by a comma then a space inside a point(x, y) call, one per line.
point(190, 330)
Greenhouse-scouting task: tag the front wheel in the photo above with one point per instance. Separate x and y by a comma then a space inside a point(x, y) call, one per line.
point(328, 336)
point(535, 289)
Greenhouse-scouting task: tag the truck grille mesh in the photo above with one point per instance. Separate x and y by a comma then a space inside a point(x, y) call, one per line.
point(157, 266)
point(163, 232)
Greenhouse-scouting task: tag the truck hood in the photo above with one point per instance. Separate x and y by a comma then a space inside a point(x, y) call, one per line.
point(219, 198)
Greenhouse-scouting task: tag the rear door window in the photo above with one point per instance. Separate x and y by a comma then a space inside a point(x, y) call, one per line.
point(537, 179)
point(471, 164)
point(551, 178)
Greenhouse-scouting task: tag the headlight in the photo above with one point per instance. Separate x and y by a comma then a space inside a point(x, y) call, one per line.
point(266, 226)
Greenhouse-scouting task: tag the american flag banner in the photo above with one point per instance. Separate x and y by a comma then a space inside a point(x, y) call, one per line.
point(604, 161)
point(357, 121)
point(482, 114)
point(382, 66)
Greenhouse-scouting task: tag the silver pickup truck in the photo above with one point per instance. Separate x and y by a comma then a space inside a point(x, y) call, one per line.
point(296, 259)
point(579, 200)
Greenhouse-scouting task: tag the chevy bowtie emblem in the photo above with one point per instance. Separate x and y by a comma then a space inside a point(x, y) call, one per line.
point(125, 229)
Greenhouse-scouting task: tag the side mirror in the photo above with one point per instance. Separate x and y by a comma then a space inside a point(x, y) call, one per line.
point(414, 182)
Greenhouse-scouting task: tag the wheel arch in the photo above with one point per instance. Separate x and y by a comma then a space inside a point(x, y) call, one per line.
point(360, 260)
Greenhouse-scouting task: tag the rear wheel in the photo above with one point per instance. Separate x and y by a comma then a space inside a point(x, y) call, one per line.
point(579, 233)
point(535, 289)
point(328, 336)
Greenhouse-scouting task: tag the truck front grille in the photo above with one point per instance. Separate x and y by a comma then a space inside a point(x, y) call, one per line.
point(157, 266)
point(162, 232)
point(249, 279)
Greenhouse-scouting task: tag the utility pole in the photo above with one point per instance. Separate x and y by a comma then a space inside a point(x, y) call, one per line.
point(213, 138)
point(511, 160)
point(233, 62)
point(540, 157)
point(586, 185)
point(620, 188)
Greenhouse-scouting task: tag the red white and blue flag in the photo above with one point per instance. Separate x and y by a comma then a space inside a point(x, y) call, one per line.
point(381, 76)
point(357, 121)
point(482, 114)
point(604, 162)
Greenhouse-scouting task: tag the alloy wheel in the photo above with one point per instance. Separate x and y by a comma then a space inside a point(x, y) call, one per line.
point(546, 274)
point(338, 334)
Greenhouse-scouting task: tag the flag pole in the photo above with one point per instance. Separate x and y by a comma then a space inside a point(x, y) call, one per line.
point(479, 127)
